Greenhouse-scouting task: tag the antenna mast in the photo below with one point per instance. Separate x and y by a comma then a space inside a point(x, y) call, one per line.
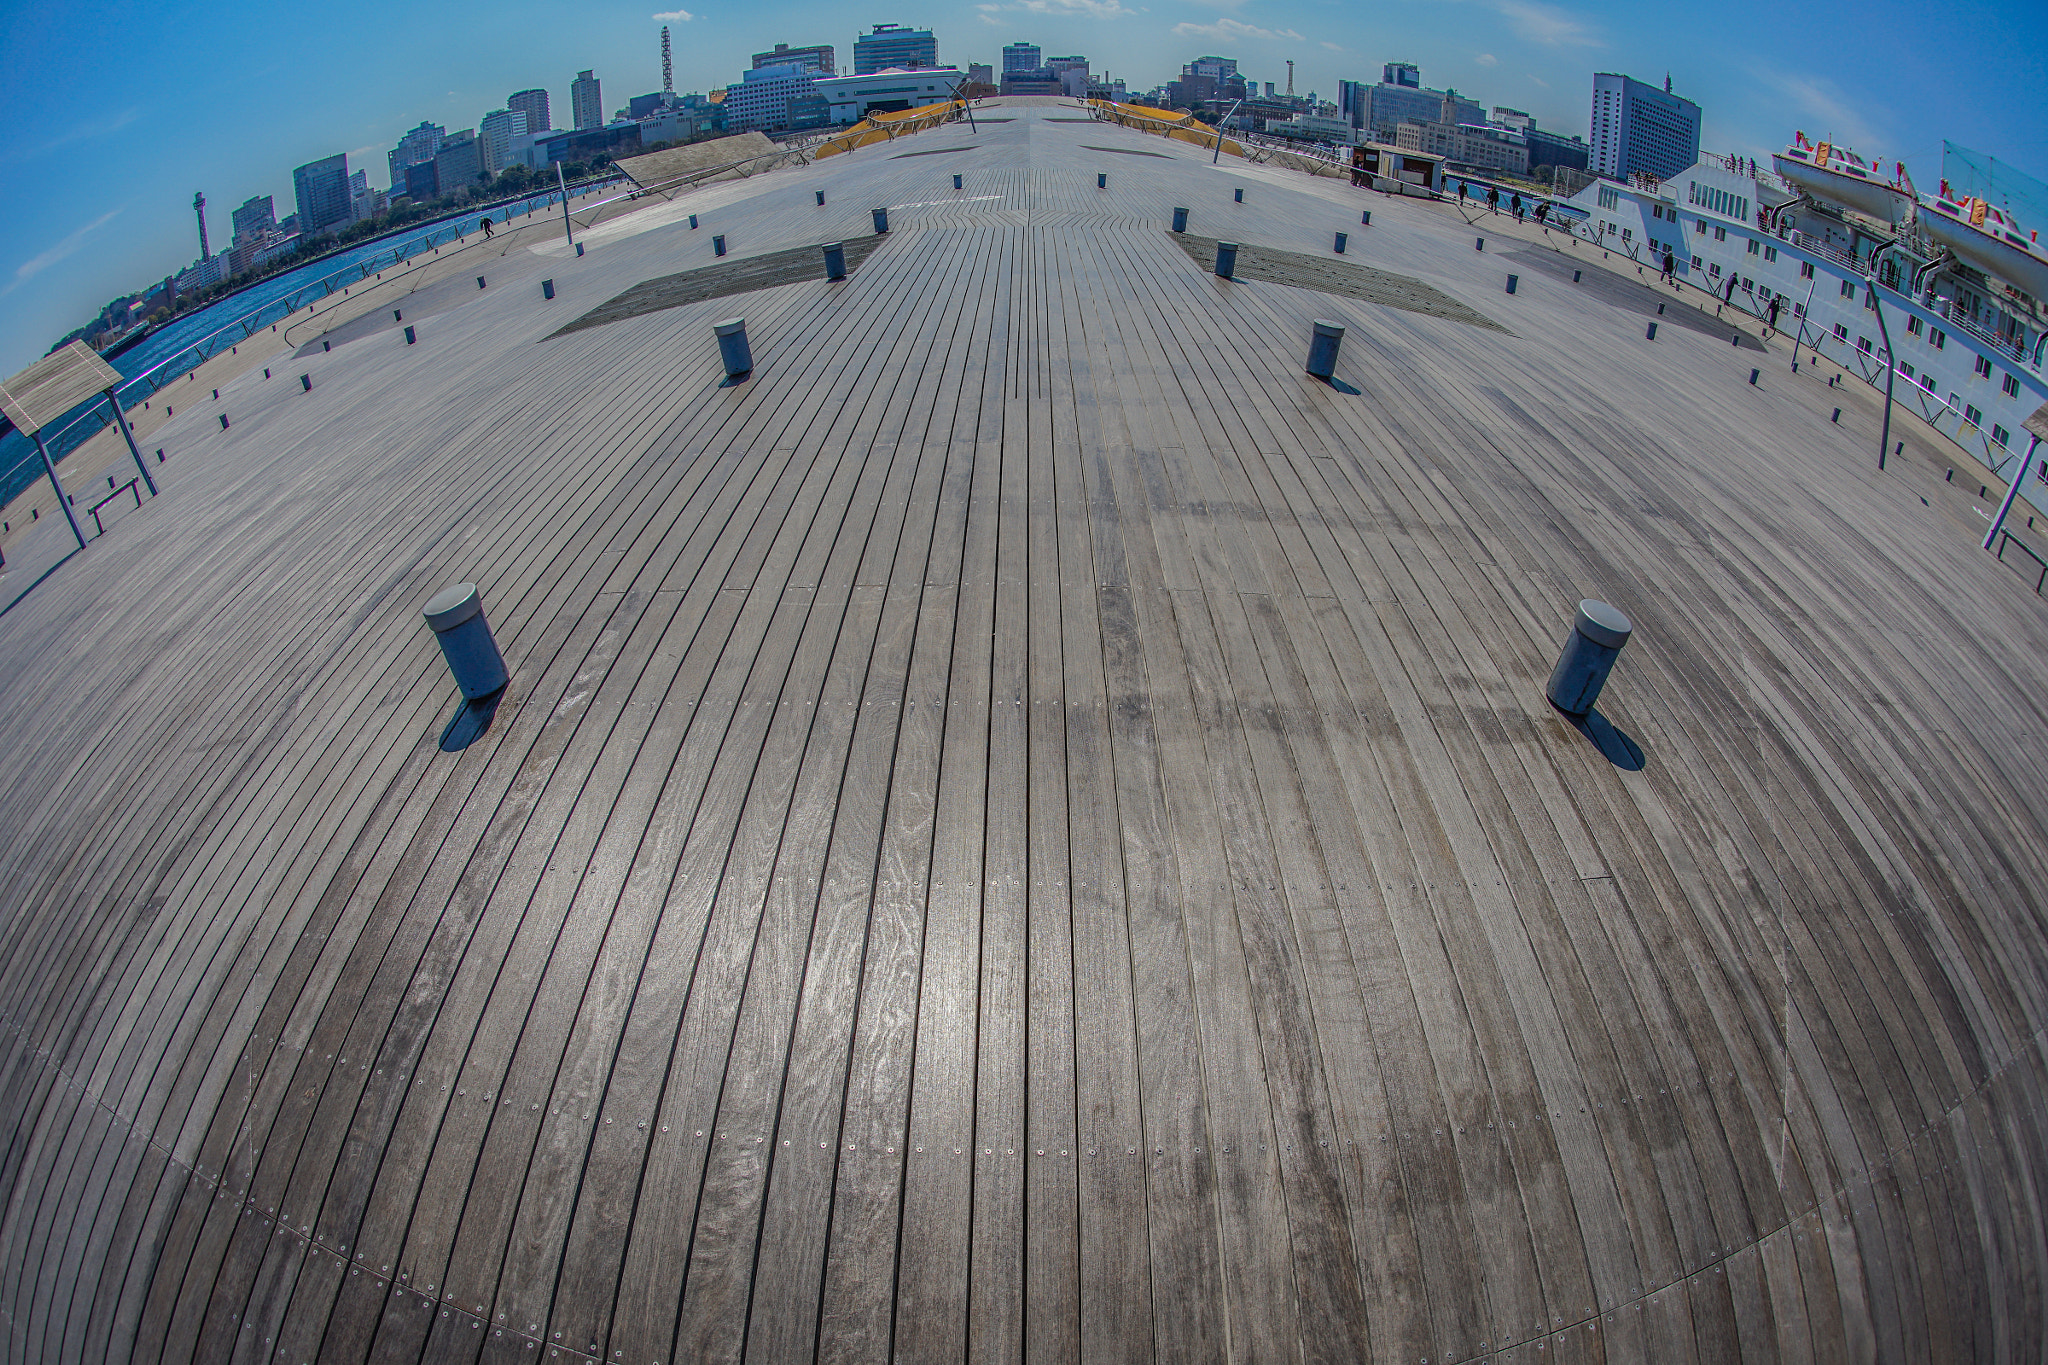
point(668, 75)
point(1290, 80)
point(199, 207)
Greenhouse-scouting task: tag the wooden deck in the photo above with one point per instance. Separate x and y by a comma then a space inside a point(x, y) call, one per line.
point(1029, 829)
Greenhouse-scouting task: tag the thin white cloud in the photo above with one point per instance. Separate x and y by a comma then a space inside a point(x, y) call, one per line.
point(1487, 59)
point(1061, 9)
point(1227, 29)
point(79, 132)
point(990, 19)
point(1827, 111)
point(1334, 47)
point(65, 246)
point(1540, 81)
point(1548, 24)
point(674, 16)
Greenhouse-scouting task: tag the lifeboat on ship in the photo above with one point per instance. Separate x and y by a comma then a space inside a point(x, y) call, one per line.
point(1835, 175)
point(1985, 236)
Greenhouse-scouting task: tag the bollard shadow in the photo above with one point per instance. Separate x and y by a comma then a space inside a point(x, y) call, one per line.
point(470, 721)
point(41, 578)
point(733, 381)
point(1614, 745)
point(1342, 387)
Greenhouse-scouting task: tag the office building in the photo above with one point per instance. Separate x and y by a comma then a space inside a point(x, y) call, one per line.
point(533, 104)
point(421, 182)
point(980, 73)
point(1071, 73)
point(1554, 149)
point(1520, 120)
point(1477, 146)
point(322, 191)
point(1403, 74)
point(459, 162)
point(1022, 57)
point(1354, 103)
point(893, 45)
point(255, 218)
point(415, 147)
point(775, 99)
point(1401, 97)
point(849, 99)
point(496, 132)
point(819, 59)
point(1641, 130)
point(586, 101)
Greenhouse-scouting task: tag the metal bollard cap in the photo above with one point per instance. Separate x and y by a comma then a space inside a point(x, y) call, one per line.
point(1327, 328)
point(450, 607)
point(729, 326)
point(1602, 624)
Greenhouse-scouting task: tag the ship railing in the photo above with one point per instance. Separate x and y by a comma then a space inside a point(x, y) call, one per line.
point(231, 334)
point(1929, 406)
point(2006, 538)
point(1951, 313)
point(789, 153)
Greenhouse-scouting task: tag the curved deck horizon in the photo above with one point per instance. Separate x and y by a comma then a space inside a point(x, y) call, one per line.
point(1029, 828)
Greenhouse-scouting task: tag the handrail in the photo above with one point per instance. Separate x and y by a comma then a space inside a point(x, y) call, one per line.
point(2008, 538)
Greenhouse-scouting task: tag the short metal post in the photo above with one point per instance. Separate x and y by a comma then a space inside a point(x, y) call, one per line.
point(693, 222)
point(718, 245)
point(835, 260)
point(1837, 417)
point(733, 348)
point(121, 420)
point(1341, 239)
point(881, 221)
point(1180, 220)
point(50, 468)
point(409, 337)
point(1598, 634)
point(398, 315)
point(1101, 180)
point(1479, 244)
point(1322, 348)
point(579, 248)
point(1575, 279)
point(1365, 218)
point(1752, 378)
point(1660, 310)
point(479, 281)
point(456, 616)
point(1651, 335)
point(821, 198)
point(1240, 196)
point(2019, 477)
point(1226, 259)
point(1513, 280)
point(547, 289)
point(956, 182)
point(306, 383)
point(223, 421)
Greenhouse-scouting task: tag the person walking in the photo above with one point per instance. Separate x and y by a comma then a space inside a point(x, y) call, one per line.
point(1463, 189)
point(1493, 198)
point(1776, 301)
point(485, 224)
point(1670, 267)
point(1732, 281)
point(1516, 205)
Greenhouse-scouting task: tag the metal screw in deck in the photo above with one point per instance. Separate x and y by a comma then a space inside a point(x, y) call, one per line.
point(456, 616)
point(1598, 634)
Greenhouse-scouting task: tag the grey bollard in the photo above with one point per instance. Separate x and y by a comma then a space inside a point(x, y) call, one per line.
point(821, 198)
point(479, 281)
point(1660, 310)
point(733, 348)
point(881, 221)
point(1575, 276)
point(547, 289)
point(1837, 417)
point(835, 260)
point(1180, 220)
point(398, 315)
point(1752, 378)
point(1651, 335)
point(718, 245)
point(1735, 340)
point(1101, 180)
point(409, 337)
point(1240, 196)
point(326, 346)
point(1479, 244)
point(1322, 348)
point(956, 182)
point(1342, 238)
point(1589, 652)
point(266, 374)
point(693, 222)
point(1226, 259)
point(579, 245)
point(1365, 218)
point(306, 382)
point(1513, 280)
point(456, 616)
point(224, 420)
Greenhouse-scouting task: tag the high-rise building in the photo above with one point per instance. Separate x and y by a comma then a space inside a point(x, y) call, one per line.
point(255, 218)
point(893, 45)
point(1401, 73)
point(322, 191)
point(586, 101)
point(775, 99)
point(459, 162)
point(1071, 73)
point(533, 104)
point(1354, 102)
point(496, 132)
point(415, 147)
point(1022, 57)
point(1641, 130)
point(1401, 97)
point(820, 59)
point(1215, 68)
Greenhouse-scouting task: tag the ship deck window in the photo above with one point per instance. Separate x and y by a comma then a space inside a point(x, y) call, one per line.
point(2011, 386)
point(1913, 326)
point(1806, 270)
point(1841, 332)
point(2000, 436)
point(1982, 367)
point(1770, 253)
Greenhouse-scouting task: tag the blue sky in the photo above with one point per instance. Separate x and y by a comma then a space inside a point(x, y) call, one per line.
point(117, 112)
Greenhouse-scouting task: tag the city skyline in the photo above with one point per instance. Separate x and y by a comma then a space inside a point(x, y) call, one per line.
point(253, 105)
